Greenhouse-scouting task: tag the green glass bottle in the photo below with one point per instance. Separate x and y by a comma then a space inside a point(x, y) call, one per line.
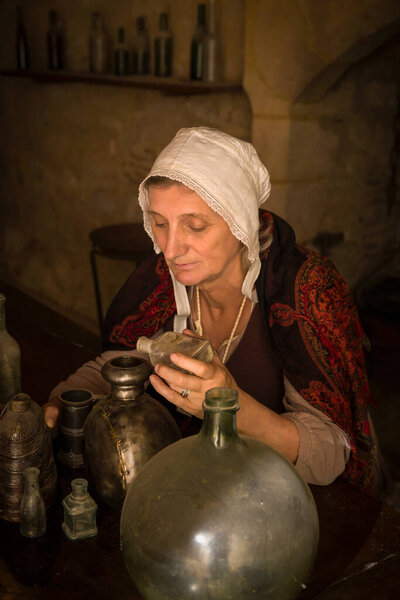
point(197, 47)
point(10, 359)
point(121, 55)
point(33, 510)
point(163, 49)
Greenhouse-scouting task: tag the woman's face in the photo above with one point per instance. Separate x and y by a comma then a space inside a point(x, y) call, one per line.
point(196, 242)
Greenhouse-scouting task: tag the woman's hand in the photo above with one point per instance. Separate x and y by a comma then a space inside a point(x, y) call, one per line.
point(51, 411)
point(170, 383)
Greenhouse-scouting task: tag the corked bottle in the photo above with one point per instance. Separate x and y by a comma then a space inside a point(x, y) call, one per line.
point(24, 442)
point(125, 429)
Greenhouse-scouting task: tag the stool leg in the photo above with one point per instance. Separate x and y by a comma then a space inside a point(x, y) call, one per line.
point(97, 291)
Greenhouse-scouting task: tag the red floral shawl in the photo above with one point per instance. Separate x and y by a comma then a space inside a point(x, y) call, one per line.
point(312, 322)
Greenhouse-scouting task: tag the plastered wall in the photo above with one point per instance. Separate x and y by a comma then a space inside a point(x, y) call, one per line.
point(320, 103)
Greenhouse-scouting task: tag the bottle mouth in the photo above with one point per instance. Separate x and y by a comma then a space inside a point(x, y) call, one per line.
point(221, 399)
point(20, 402)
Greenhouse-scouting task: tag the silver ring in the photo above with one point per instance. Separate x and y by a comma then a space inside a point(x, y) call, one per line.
point(185, 393)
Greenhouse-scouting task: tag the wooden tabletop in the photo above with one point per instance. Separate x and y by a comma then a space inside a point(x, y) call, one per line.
point(359, 550)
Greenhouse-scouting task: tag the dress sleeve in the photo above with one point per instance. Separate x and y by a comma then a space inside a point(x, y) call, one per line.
point(89, 377)
point(324, 447)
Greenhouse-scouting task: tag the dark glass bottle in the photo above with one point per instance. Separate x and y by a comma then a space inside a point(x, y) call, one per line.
point(10, 359)
point(22, 44)
point(211, 66)
point(98, 45)
point(121, 55)
point(219, 516)
point(55, 42)
point(163, 49)
point(33, 510)
point(197, 48)
point(141, 49)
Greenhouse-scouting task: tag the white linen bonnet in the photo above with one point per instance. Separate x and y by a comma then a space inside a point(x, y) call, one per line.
point(228, 175)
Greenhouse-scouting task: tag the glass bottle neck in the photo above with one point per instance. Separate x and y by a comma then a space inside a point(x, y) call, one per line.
point(31, 479)
point(219, 427)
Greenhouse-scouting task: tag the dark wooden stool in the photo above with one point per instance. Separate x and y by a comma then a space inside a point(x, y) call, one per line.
point(123, 241)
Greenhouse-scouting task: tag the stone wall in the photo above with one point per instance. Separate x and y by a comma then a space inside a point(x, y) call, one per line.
point(321, 83)
point(72, 155)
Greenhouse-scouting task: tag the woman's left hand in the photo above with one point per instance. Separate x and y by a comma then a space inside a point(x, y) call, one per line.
point(202, 377)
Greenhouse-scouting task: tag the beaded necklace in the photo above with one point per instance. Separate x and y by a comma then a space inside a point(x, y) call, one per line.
point(199, 328)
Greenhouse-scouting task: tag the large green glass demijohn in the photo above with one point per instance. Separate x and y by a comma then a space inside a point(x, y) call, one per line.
point(219, 516)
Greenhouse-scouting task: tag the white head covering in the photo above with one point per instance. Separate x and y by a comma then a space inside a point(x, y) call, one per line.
point(229, 176)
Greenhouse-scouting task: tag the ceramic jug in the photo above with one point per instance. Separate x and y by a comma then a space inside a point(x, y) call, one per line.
point(125, 429)
point(219, 516)
point(24, 442)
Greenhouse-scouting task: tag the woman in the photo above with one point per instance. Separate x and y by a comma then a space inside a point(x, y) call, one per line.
point(284, 329)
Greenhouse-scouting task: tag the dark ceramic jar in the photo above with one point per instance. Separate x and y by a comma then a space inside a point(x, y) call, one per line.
point(24, 442)
point(124, 430)
point(219, 516)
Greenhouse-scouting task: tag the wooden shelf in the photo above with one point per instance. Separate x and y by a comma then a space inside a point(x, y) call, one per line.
point(168, 85)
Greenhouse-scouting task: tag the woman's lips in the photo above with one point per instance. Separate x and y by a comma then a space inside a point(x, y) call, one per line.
point(184, 266)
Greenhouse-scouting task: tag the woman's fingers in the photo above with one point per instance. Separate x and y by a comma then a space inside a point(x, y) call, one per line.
point(192, 403)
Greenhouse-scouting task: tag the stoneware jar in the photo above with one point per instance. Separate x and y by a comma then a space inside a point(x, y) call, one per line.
point(124, 430)
point(219, 516)
point(24, 442)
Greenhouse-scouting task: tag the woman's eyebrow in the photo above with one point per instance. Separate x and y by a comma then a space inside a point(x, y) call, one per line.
point(183, 216)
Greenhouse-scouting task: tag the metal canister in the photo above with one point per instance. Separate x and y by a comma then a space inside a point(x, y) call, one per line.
point(75, 407)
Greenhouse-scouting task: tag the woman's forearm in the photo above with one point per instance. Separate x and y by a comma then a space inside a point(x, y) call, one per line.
point(257, 421)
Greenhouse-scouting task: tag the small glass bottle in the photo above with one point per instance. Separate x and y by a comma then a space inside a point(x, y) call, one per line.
point(160, 348)
point(98, 45)
point(141, 49)
point(10, 359)
point(79, 512)
point(211, 67)
point(22, 44)
point(33, 510)
point(121, 55)
point(163, 48)
point(197, 48)
point(55, 42)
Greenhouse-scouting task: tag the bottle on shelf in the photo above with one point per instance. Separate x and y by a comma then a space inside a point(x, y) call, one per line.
point(22, 44)
point(211, 67)
point(10, 359)
point(121, 55)
point(163, 48)
point(98, 45)
point(197, 47)
point(160, 348)
point(55, 42)
point(141, 49)
point(33, 510)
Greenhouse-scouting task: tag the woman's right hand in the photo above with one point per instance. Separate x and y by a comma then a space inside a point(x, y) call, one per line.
point(51, 411)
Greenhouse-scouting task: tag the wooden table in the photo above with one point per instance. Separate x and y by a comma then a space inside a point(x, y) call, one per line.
point(359, 550)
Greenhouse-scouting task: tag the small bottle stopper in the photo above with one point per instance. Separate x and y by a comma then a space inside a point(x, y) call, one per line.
point(79, 512)
point(33, 510)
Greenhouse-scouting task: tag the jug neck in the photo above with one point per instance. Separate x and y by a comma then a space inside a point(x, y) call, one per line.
point(126, 393)
point(219, 425)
